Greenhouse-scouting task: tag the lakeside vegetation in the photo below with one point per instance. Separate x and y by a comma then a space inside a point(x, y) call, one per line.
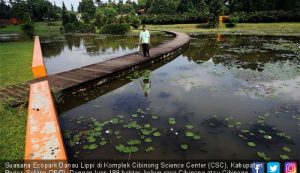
point(15, 68)
point(270, 29)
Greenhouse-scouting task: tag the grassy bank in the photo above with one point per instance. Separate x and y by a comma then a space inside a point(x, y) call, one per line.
point(12, 133)
point(280, 29)
point(42, 29)
point(15, 67)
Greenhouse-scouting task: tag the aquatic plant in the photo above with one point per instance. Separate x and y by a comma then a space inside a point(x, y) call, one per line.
point(184, 146)
point(172, 121)
point(263, 156)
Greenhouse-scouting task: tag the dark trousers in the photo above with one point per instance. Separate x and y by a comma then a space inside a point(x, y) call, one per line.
point(146, 49)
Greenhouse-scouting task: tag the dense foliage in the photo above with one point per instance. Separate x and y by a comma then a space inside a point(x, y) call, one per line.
point(96, 14)
point(116, 28)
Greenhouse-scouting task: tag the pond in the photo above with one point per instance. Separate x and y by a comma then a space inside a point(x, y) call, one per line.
point(77, 51)
point(231, 98)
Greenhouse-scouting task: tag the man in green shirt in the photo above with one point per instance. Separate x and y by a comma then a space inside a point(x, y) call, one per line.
point(145, 40)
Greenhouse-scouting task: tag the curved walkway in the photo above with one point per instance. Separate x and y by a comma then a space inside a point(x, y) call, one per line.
point(103, 71)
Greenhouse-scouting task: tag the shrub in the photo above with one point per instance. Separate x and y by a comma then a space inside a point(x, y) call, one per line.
point(28, 29)
point(116, 28)
point(233, 20)
point(2, 26)
point(270, 16)
point(70, 28)
point(173, 19)
point(87, 28)
point(132, 20)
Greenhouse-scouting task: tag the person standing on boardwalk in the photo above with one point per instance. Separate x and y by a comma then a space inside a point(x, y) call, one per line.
point(145, 41)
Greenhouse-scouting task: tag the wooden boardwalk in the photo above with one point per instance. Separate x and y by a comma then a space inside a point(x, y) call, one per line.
point(102, 71)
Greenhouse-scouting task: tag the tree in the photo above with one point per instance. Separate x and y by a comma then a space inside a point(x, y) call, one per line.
point(28, 27)
point(5, 10)
point(64, 15)
point(164, 7)
point(186, 6)
point(18, 8)
point(126, 9)
point(142, 3)
point(216, 9)
point(88, 10)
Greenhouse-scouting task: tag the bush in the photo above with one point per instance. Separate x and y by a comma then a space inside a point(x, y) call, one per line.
point(132, 20)
point(173, 19)
point(70, 28)
point(87, 28)
point(2, 26)
point(269, 16)
point(233, 20)
point(116, 28)
point(28, 29)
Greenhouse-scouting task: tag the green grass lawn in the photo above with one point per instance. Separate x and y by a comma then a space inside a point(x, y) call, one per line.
point(15, 67)
point(282, 29)
point(41, 29)
point(12, 133)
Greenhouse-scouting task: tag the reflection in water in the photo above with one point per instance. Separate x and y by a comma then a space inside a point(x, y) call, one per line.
point(78, 51)
point(146, 86)
point(233, 99)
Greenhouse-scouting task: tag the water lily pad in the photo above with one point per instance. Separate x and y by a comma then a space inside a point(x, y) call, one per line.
point(146, 132)
point(268, 137)
point(189, 134)
point(156, 134)
point(91, 139)
point(147, 125)
point(154, 117)
point(245, 131)
point(238, 123)
point(133, 142)
point(287, 149)
point(284, 157)
point(124, 149)
point(149, 149)
point(98, 129)
point(196, 137)
point(261, 131)
point(114, 121)
point(103, 143)
point(172, 121)
point(134, 115)
point(230, 125)
point(263, 156)
point(242, 136)
point(184, 146)
point(92, 146)
point(189, 126)
point(148, 140)
point(251, 144)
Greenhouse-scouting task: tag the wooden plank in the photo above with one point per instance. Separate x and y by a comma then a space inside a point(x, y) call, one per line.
point(96, 70)
point(13, 93)
point(76, 76)
point(60, 84)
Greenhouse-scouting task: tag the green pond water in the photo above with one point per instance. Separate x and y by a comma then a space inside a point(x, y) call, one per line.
point(238, 98)
point(77, 51)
